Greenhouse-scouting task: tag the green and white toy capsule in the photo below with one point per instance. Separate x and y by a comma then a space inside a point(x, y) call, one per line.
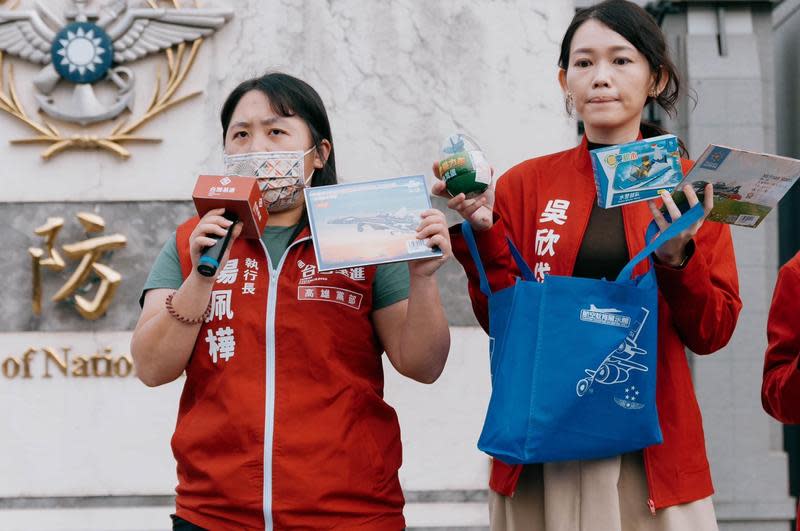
point(463, 166)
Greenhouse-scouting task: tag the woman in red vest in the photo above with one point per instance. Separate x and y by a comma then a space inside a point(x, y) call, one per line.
point(613, 62)
point(780, 392)
point(282, 422)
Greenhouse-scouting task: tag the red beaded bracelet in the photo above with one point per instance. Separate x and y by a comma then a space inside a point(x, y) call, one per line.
point(171, 310)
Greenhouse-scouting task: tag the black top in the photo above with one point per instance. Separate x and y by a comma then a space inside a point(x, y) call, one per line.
point(604, 251)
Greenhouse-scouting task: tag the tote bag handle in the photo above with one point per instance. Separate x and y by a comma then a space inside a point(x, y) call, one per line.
point(691, 216)
point(469, 236)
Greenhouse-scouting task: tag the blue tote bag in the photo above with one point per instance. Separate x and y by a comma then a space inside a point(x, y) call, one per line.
point(573, 361)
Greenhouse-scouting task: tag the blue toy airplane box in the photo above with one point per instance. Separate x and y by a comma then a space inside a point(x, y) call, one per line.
point(637, 171)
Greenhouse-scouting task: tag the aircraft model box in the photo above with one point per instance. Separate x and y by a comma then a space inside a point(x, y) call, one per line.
point(367, 223)
point(637, 171)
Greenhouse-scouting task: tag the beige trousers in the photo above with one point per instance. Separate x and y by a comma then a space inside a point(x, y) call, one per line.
point(602, 495)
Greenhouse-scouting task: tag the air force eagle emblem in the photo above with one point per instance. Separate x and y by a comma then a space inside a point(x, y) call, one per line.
point(88, 47)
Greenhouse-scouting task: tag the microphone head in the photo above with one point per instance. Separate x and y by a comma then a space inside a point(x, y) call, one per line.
point(237, 195)
point(207, 266)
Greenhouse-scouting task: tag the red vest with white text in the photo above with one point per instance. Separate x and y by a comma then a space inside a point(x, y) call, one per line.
point(282, 422)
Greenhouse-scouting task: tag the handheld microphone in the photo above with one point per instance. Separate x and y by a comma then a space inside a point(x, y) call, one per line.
point(242, 201)
point(210, 259)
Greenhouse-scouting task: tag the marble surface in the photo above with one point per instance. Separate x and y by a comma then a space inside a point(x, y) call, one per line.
point(396, 77)
point(91, 438)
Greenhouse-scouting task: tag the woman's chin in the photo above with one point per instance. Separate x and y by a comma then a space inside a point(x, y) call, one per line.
point(603, 120)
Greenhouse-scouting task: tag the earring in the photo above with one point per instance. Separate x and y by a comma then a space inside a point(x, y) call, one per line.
point(654, 93)
point(569, 103)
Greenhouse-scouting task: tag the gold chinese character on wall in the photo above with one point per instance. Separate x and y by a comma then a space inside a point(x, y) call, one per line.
point(89, 271)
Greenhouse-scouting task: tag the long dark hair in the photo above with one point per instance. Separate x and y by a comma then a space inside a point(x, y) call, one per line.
point(289, 96)
point(639, 28)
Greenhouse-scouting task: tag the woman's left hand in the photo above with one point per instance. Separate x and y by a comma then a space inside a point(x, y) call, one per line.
point(433, 231)
point(673, 253)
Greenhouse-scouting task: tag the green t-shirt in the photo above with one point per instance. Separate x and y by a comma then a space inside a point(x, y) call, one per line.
point(389, 286)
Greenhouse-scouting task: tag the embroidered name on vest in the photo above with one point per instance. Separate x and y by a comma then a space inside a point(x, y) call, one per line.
point(222, 341)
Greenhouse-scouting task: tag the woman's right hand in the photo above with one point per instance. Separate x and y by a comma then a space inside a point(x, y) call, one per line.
point(211, 223)
point(477, 210)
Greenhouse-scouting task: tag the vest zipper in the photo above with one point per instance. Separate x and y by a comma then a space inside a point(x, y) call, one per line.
point(645, 455)
point(647, 474)
point(269, 410)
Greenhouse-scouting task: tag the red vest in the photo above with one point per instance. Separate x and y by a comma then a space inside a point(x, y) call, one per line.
point(544, 205)
point(780, 392)
point(282, 423)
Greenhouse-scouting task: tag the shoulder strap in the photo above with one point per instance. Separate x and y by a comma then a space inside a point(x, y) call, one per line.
point(466, 230)
point(527, 274)
point(682, 223)
point(469, 236)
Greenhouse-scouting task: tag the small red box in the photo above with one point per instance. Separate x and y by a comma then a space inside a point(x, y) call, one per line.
point(236, 194)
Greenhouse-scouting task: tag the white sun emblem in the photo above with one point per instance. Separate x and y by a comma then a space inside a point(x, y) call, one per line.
point(81, 51)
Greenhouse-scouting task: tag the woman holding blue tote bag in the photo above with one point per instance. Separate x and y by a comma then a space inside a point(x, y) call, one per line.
point(613, 62)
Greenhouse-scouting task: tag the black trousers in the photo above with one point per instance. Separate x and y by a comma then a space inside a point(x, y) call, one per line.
point(179, 524)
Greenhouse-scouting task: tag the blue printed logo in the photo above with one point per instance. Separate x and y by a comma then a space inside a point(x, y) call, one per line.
point(715, 158)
